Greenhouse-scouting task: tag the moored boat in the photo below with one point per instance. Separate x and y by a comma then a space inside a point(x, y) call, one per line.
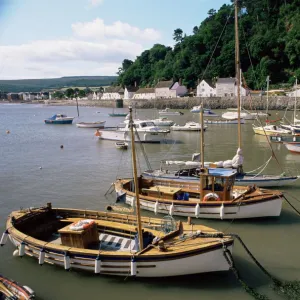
point(59, 119)
point(293, 146)
point(271, 130)
point(207, 112)
point(11, 289)
point(163, 121)
point(230, 115)
point(121, 145)
point(189, 126)
point(168, 112)
point(99, 124)
point(224, 121)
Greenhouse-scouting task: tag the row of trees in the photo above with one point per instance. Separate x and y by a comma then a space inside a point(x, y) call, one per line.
point(269, 45)
point(76, 92)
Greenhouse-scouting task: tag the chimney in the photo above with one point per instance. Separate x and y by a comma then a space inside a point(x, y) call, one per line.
point(135, 84)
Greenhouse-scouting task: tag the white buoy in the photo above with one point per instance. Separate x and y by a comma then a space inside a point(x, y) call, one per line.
point(42, 257)
point(97, 265)
point(222, 211)
point(67, 262)
point(133, 267)
point(41, 168)
point(22, 249)
point(156, 207)
point(171, 210)
point(16, 253)
point(197, 210)
point(4, 238)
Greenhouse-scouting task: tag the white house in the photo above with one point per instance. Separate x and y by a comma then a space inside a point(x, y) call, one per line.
point(144, 93)
point(226, 87)
point(130, 91)
point(26, 96)
point(162, 89)
point(295, 93)
point(177, 90)
point(113, 92)
point(206, 88)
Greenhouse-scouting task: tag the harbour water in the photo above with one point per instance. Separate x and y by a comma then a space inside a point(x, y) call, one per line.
point(34, 170)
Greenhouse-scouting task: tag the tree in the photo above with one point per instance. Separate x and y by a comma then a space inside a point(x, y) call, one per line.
point(177, 35)
point(81, 93)
point(70, 93)
point(195, 30)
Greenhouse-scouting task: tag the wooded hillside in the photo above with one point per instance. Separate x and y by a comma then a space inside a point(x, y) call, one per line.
point(269, 41)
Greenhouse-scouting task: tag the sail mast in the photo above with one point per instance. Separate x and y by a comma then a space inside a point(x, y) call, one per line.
point(202, 152)
point(295, 105)
point(136, 184)
point(237, 71)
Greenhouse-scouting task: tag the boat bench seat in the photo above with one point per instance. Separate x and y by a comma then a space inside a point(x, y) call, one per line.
point(116, 242)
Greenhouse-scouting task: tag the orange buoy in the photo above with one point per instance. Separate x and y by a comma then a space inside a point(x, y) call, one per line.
point(97, 133)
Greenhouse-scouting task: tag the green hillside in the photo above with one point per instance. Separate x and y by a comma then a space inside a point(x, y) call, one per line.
point(36, 85)
point(269, 45)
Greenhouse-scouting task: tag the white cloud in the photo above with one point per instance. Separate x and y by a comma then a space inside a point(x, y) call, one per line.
point(97, 29)
point(81, 54)
point(95, 3)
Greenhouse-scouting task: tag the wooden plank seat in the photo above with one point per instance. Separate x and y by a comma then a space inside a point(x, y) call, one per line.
point(109, 241)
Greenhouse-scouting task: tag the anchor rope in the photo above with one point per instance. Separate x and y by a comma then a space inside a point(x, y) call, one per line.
point(294, 208)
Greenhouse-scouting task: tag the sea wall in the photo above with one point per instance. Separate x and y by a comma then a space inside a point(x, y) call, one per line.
point(259, 103)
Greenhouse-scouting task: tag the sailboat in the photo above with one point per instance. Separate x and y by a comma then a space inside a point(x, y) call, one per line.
point(116, 244)
point(241, 178)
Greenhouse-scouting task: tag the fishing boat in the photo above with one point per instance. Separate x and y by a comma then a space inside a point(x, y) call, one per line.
point(10, 290)
point(224, 121)
point(121, 145)
point(207, 112)
point(117, 244)
point(271, 130)
point(163, 121)
point(189, 126)
point(59, 119)
point(148, 132)
point(99, 124)
point(293, 146)
point(168, 112)
point(213, 196)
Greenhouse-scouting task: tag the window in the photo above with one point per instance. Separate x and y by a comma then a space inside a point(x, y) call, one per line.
point(202, 84)
point(231, 94)
point(225, 94)
point(203, 90)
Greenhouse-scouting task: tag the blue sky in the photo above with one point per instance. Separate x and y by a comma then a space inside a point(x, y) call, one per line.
point(54, 38)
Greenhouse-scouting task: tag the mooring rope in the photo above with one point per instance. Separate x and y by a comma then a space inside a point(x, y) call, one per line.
point(292, 206)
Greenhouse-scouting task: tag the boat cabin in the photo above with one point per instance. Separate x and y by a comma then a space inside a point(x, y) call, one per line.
point(216, 181)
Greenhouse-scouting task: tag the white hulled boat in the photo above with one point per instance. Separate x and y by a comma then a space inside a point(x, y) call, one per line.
point(189, 126)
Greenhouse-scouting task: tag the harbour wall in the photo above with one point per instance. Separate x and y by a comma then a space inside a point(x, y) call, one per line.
point(258, 103)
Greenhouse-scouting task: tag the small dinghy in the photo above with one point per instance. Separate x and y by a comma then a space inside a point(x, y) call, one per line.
point(99, 124)
point(121, 145)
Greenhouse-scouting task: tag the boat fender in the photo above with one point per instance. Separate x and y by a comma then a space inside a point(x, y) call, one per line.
point(211, 197)
point(98, 264)
point(98, 132)
point(156, 206)
point(16, 253)
point(22, 249)
point(67, 263)
point(222, 211)
point(197, 210)
point(133, 266)
point(171, 210)
point(279, 139)
point(145, 136)
point(82, 224)
point(294, 139)
point(42, 257)
point(30, 291)
point(4, 238)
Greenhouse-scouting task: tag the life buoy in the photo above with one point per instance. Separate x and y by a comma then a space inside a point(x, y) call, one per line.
point(211, 197)
point(81, 225)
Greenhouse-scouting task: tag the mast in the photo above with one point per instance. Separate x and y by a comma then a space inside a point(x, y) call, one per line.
point(237, 71)
point(295, 101)
point(268, 81)
point(136, 184)
point(202, 152)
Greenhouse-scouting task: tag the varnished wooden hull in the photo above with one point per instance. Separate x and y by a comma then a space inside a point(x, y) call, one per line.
point(191, 256)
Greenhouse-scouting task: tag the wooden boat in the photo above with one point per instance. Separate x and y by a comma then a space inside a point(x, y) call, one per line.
point(149, 133)
point(189, 126)
point(121, 145)
point(59, 119)
point(293, 146)
point(224, 121)
point(270, 130)
point(168, 112)
point(99, 124)
point(117, 244)
point(11, 289)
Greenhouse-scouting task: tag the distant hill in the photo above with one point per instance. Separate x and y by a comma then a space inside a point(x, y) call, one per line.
point(36, 85)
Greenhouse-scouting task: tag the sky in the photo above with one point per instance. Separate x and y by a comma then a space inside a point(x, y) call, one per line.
point(56, 38)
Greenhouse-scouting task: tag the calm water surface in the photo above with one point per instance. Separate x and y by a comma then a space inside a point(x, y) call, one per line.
point(35, 170)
